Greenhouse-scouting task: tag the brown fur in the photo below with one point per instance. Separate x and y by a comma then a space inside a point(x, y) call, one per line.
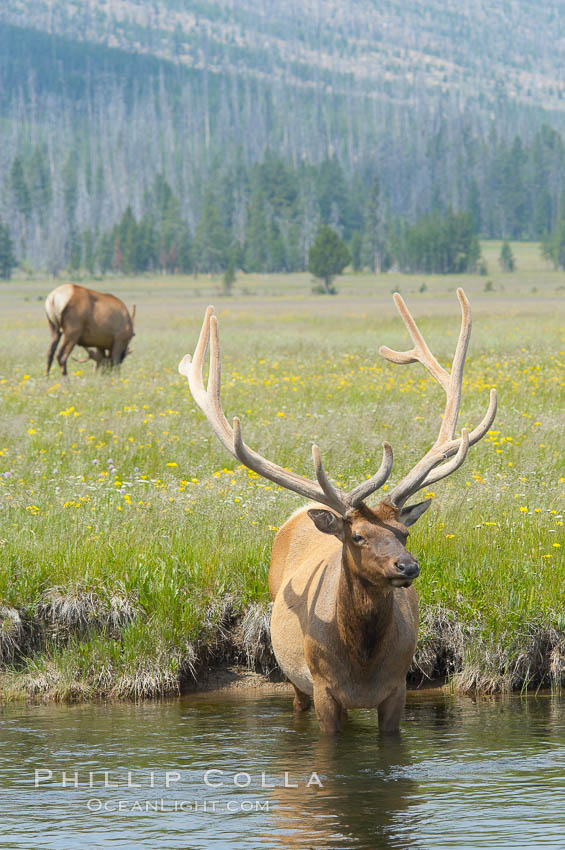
point(342, 632)
point(97, 321)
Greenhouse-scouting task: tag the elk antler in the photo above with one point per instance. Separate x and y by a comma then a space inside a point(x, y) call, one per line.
point(209, 401)
point(427, 471)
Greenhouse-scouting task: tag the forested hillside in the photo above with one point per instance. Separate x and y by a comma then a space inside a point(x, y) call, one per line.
point(483, 50)
point(210, 132)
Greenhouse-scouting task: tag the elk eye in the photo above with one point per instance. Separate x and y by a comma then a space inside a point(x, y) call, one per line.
point(357, 538)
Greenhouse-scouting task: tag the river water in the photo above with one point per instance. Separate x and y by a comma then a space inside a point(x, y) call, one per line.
point(217, 771)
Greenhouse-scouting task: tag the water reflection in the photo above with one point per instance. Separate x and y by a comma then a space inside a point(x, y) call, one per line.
point(360, 802)
point(247, 773)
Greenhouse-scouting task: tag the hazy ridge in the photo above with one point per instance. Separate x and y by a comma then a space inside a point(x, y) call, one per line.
point(444, 104)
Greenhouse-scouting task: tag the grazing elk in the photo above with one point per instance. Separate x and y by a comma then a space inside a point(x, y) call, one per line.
point(345, 615)
point(98, 322)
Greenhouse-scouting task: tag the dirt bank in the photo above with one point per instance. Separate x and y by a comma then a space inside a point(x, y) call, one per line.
point(233, 653)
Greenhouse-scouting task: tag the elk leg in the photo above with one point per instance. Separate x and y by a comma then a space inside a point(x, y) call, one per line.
point(117, 351)
point(55, 337)
point(64, 352)
point(390, 710)
point(302, 701)
point(328, 710)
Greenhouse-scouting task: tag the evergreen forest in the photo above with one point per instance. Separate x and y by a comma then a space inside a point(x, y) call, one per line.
point(112, 160)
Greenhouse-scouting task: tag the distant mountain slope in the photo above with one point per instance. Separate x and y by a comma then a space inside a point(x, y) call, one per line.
point(107, 104)
point(478, 50)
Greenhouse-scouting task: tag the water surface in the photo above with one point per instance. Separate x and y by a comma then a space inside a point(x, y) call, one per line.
point(464, 774)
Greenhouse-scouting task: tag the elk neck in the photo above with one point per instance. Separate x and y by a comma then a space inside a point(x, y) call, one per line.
point(364, 612)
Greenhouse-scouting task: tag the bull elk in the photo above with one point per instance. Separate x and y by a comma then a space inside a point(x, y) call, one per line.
point(97, 321)
point(344, 621)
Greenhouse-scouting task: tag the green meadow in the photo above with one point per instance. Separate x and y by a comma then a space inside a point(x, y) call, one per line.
point(134, 551)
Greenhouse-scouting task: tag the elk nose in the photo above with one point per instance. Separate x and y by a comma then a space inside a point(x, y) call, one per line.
point(408, 567)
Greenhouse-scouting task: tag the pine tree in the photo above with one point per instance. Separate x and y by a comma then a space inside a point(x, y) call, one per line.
point(105, 253)
point(70, 186)
point(355, 250)
point(373, 248)
point(20, 188)
point(328, 257)
point(40, 182)
point(559, 244)
point(211, 239)
point(553, 245)
point(276, 251)
point(185, 257)
point(506, 259)
point(332, 193)
point(88, 251)
point(228, 279)
point(75, 257)
point(171, 232)
point(278, 183)
point(7, 258)
point(256, 248)
point(439, 244)
point(474, 205)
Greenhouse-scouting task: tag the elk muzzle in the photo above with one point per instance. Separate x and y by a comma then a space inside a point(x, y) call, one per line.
point(407, 569)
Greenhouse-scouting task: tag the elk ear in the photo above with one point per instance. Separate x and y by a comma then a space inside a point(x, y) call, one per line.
point(326, 521)
point(409, 515)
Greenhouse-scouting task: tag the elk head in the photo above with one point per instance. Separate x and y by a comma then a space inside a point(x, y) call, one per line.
point(374, 541)
point(127, 350)
point(99, 356)
point(373, 538)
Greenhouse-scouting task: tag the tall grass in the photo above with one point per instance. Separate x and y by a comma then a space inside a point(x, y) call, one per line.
point(119, 507)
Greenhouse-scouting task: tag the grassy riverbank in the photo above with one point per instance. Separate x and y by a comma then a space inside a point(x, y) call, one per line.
point(131, 545)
